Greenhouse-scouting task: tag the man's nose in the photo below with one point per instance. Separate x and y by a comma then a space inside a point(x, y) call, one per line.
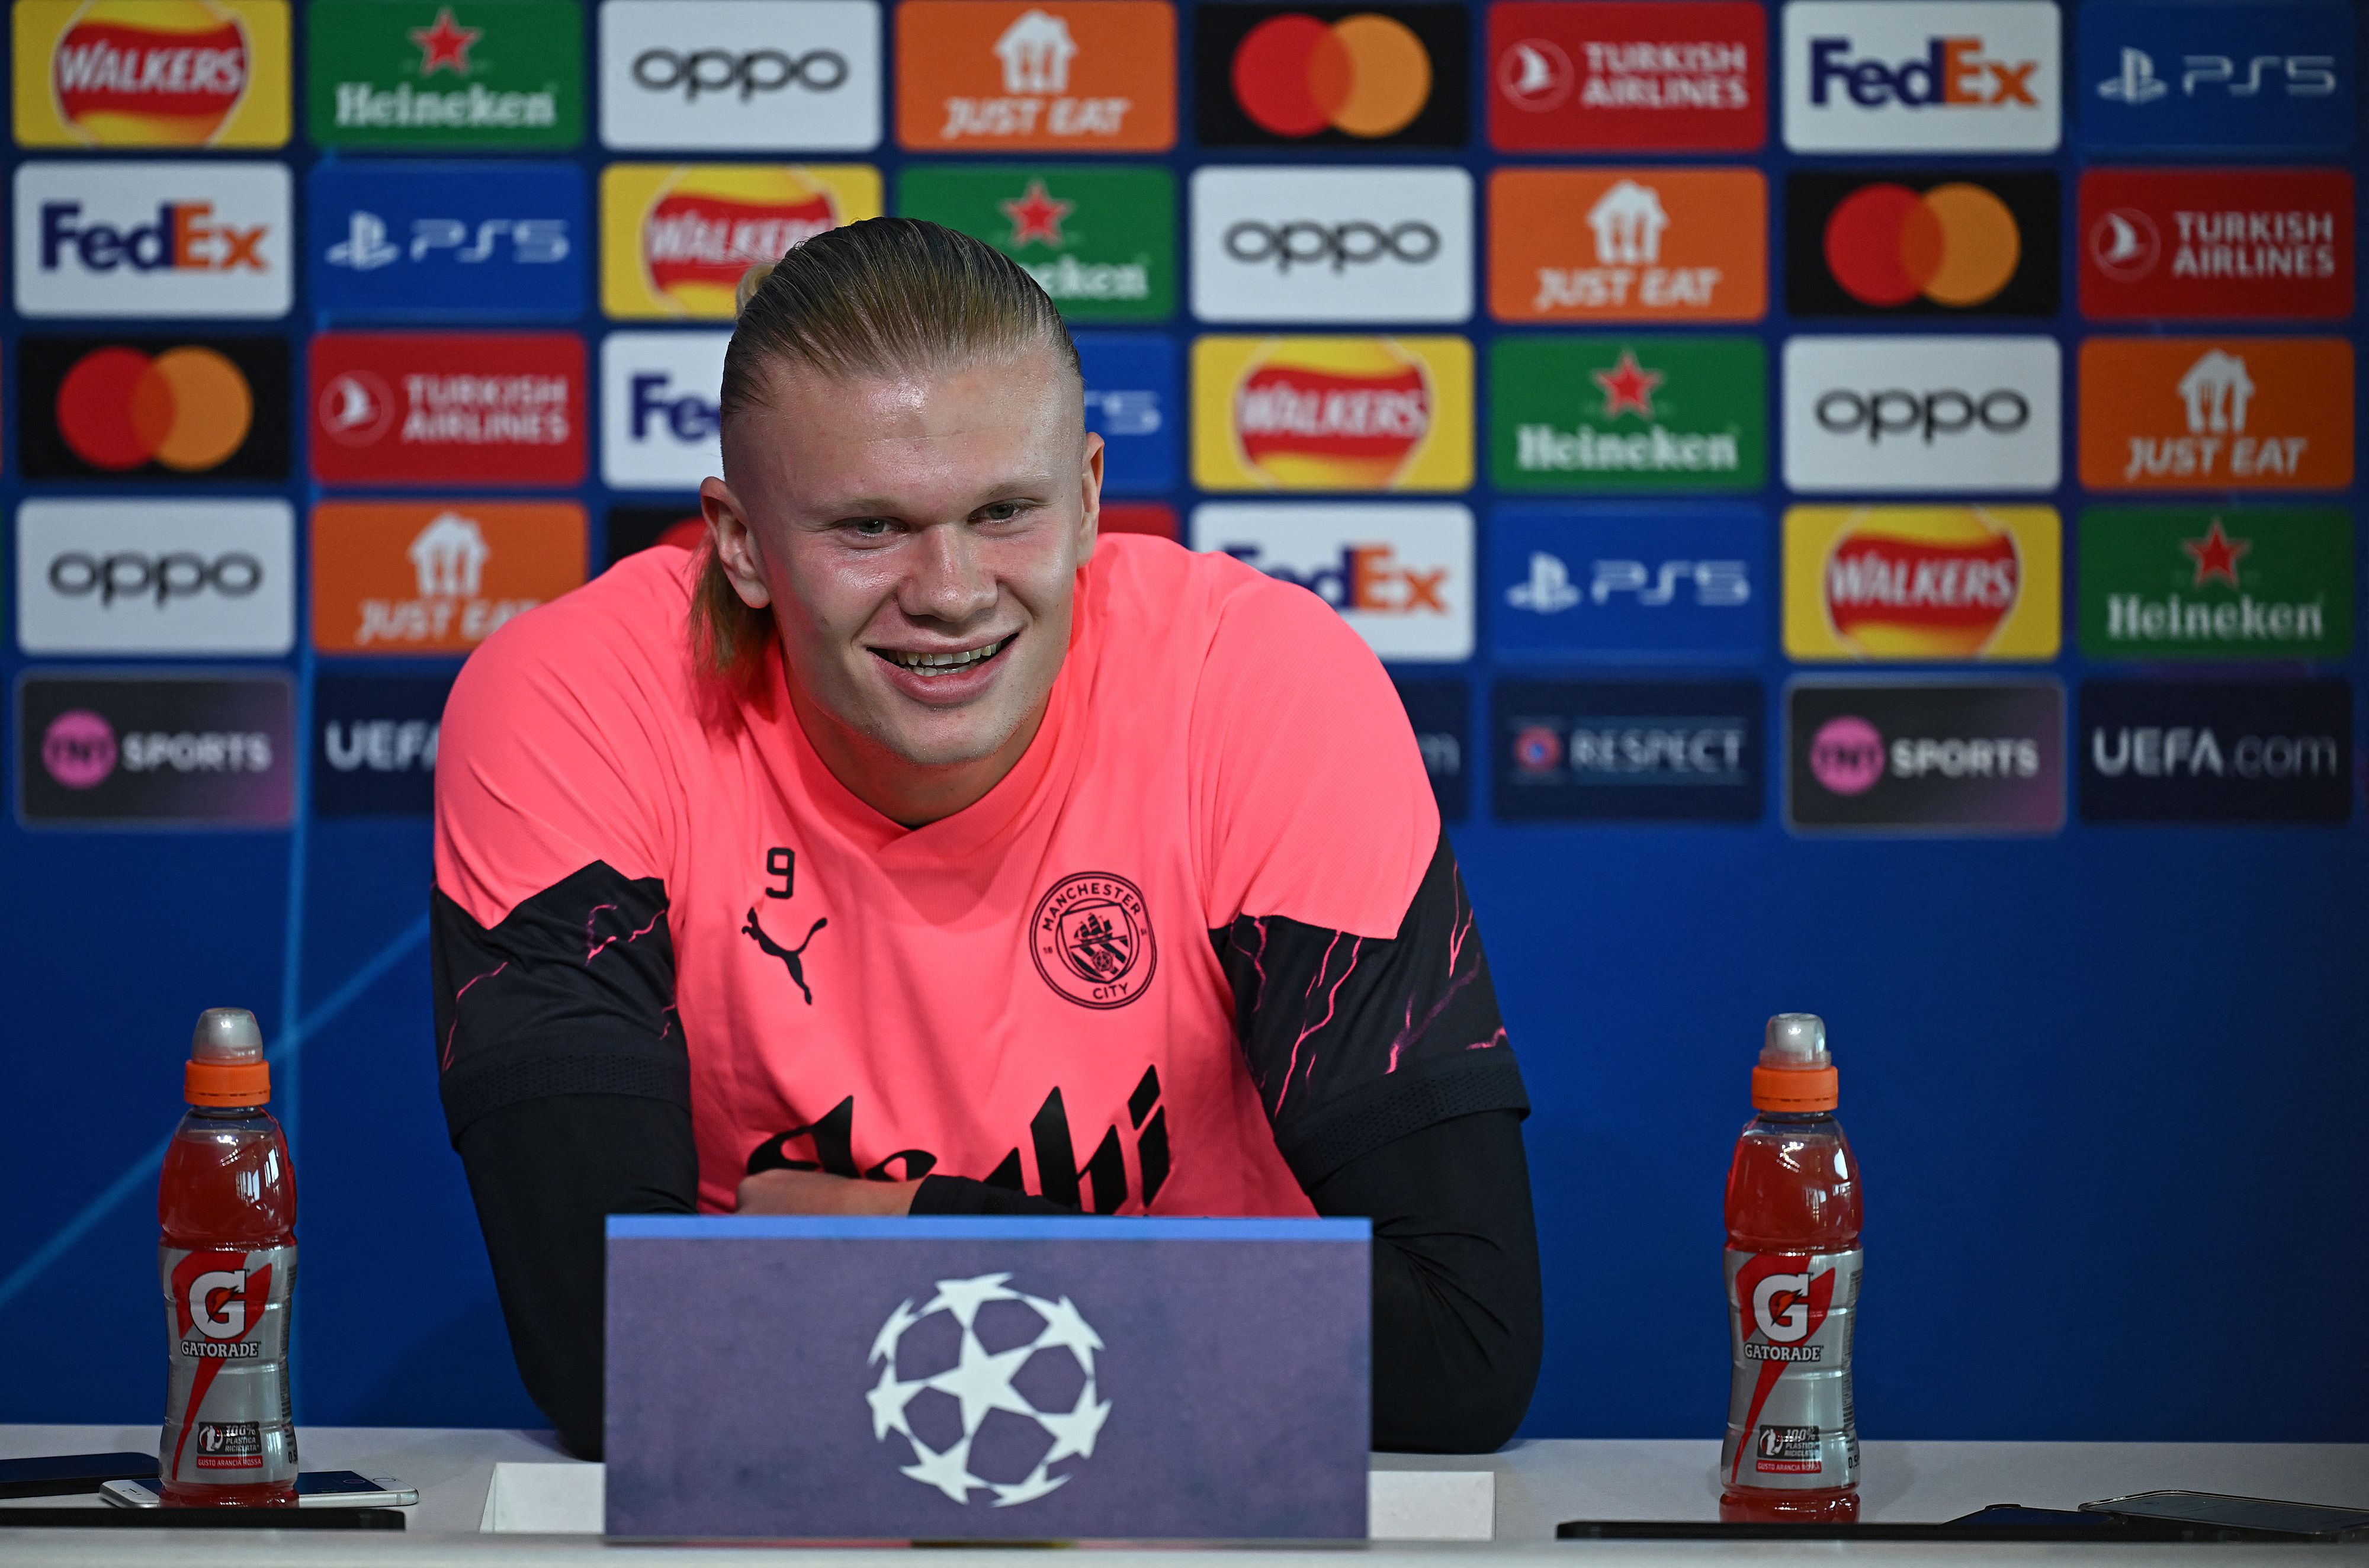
point(950, 580)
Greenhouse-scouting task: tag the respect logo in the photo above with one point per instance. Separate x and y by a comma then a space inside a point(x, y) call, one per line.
point(1333, 413)
point(1337, 75)
point(1628, 245)
point(161, 408)
point(997, 75)
point(1573, 414)
point(1381, 244)
point(1616, 75)
point(436, 576)
point(2198, 413)
point(1958, 75)
point(1921, 242)
point(2235, 244)
point(1100, 241)
point(675, 240)
point(151, 73)
point(1909, 583)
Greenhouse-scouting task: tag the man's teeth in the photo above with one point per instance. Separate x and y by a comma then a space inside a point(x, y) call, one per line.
point(941, 663)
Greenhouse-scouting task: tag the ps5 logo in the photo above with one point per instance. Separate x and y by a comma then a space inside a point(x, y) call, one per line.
point(1549, 589)
point(2288, 76)
point(1127, 413)
point(366, 247)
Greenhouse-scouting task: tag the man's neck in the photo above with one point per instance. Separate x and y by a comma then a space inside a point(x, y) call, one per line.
point(909, 794)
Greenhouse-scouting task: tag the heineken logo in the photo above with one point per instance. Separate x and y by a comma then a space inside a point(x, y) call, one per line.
point(390, 74)
point(1101, 243)
point(1653, 414)
point(2163, 582)
point(1036, 216)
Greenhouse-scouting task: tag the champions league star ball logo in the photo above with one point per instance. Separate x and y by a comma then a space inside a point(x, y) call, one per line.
point(962, 1406)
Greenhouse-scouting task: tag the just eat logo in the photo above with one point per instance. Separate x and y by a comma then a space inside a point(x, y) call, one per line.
point(1978, 75)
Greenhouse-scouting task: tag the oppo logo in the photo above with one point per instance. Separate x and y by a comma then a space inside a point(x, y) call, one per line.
point(1926, 414)
point(1356, 243)
point(176, 574)
point(708, 71)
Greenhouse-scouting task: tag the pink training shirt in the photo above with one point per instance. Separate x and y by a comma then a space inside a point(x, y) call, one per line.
point(1202, 945)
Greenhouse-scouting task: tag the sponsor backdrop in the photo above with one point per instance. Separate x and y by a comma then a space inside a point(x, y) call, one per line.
point(1859, 500)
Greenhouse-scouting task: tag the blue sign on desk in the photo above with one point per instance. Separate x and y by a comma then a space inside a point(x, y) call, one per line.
point(987, 1378)
point(1131, 404)
point(2179, 76)
point(447, 240)
point(1656, 581)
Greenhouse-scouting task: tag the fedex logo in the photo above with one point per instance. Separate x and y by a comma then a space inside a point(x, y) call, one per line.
point(1401, 575)
point(151, 239)
point(660, 419)
point(1958, 75)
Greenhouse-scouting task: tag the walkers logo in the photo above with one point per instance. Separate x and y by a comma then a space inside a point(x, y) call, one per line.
point(1377, 76)
point(1921, 244)
point(1607, 414)
point(1401, 575)
point(675, 241)
point(1932, 414)
point(2269, 75)
point(1331, 413)
point(185, 239)
point(1950, 76)
point(152, 72)
point(395, 76)
point(1001, 75)
point(1628, 245)
point(448, 407)
point(724, 76)
point(151, 407)
point(2218, 752)
point(2212, 414)
point(2217, 582)
point(1661, 582)
point(1925, 756)
point(1911, 583)
point(632, 529)
point(156, 577)
point(1131, 402)
point(1440, 710)
point(1331, 243)
point(661, 425)
point(1101, 241)
point(2238, 243)
point(375, 755)
point(155, 751)
point(436, 576)
point(1627, 750)
point(446, 240)
point(1585, 76)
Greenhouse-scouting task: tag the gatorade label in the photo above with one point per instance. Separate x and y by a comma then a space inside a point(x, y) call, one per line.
point(226, 1415)
point(1791, 1320)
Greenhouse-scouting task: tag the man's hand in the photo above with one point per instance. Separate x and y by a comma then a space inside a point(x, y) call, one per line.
point(818, 1192)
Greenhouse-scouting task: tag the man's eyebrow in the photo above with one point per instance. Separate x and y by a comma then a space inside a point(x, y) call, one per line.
point(883, 506)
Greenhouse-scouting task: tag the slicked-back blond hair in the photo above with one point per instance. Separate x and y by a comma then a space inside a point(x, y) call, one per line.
point(882, 297)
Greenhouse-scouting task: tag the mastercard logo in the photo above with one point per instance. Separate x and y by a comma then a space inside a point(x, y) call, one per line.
point(1364, 76)
point(1922, 582)
point(1955, 244)
point(149, 72)
point(1343, 414)
point(701, 232)
point(188, 408)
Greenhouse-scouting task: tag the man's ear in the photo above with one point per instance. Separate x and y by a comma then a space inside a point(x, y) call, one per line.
point(1090, 515)
point(734, 542)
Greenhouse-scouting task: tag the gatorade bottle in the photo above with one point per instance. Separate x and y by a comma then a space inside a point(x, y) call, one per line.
point(227, 1260)
point(1793, 1291)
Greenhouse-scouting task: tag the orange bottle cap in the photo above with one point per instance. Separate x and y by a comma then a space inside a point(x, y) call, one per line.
point(226, 1066)
point(1795, 1072)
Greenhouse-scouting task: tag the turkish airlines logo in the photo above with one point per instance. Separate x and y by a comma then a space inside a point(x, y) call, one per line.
point(1335, 244)
point(1616, 75)
point(715, 73)
point(1975, 76)
point(2206, 243)
point(498, 408)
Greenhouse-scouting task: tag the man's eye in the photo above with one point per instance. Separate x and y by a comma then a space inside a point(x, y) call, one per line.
point(1003, 512)
point(867, 527)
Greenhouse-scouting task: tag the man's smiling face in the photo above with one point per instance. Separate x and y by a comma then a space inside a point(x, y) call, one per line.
point(917, 539)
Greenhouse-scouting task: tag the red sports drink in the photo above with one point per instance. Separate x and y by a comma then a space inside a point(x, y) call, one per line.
point(227, 1260)
point(1793, 1291)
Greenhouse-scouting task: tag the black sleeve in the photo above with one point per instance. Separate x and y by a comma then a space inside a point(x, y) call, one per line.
point(546, 1174)
point(1458, 1317)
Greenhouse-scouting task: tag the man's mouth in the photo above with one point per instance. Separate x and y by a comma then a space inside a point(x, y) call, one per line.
point(932, 664)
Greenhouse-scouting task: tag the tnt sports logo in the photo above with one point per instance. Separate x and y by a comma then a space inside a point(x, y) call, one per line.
point(1364, 76)
point(1297, 243)
point(2168, 413)
point(1018, 1409)
point(721, 74)
point(675, 242)
point(979, 74)
point(1961, 75)
point(151, 239)
point(1922, 582)
point(1333, 413)
point(1090, 937)
point(79, 748)
point(1401, 575)
point(1926, 756)
point(1847, 757)
point(152, 74)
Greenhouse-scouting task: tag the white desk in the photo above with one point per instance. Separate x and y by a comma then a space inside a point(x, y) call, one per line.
point(1539, 1484)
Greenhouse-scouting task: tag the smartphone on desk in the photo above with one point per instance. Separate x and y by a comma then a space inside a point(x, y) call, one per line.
point(314, 1489)
point(2304, 1521)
